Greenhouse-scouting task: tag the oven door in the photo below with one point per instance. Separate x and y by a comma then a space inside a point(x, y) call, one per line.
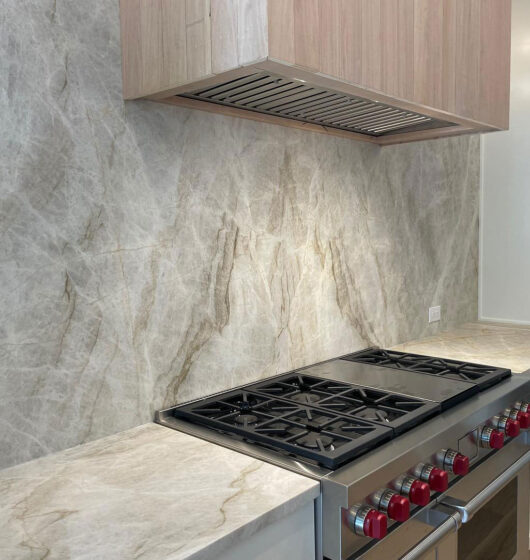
point(487, 512)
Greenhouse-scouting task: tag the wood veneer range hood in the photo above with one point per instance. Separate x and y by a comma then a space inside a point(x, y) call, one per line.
point(381, 71)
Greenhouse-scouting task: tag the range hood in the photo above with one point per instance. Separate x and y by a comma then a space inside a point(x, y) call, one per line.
point(271, 94)
point(382, 72)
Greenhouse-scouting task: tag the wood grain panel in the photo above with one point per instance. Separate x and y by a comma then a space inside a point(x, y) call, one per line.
point(198, 44)
point(428, 52)
point(307, 33)
point(467, 100)
point(371, 44)
point(224, 35)
point(153, 45)
point(495, 29)
point(351, 41)
point(397, 57)
point(252, 39)
point(330, 38)
point(281, 30)
point(449, 56)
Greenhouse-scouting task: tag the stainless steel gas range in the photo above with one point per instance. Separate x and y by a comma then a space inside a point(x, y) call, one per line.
point(418, 457)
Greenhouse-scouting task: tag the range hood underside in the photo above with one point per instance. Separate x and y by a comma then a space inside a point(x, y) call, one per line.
point(271, 94)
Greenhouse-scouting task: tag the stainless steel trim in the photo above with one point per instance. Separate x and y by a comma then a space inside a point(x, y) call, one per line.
point(468, 509)
point(382, 499)
point(423, 471)
point(484, 438)
point(318, 528)
point(448, 459)
point(356, 516)
point(522, 406)
point(450, 525)
point(272, 94)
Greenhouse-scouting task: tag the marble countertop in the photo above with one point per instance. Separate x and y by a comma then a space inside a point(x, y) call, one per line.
point(147, 493)
point(487, 343)
point(154, 493)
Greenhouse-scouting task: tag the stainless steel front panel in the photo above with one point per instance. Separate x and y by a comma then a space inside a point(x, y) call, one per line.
point(423, 534)
point(419, 385)
point(354, 482)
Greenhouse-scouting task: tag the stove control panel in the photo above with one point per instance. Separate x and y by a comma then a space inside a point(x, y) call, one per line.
point(437, 479)
point(366, 521)
point(391, 503)
point(453, 461)
point(491, 438)
point(417, 491)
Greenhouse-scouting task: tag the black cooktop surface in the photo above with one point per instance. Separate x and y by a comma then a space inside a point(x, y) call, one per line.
point(321, 436)
point(380, 407)
point(332, 412)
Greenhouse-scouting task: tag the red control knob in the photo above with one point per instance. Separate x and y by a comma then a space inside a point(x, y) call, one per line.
point(512, 428)
point(524, 420)
point(438, 480)
point(454, 462)
point(398, 508)
point(489, 437)
point(374, 524)
point(420, 493)
point(460, 464)
point(496, 439)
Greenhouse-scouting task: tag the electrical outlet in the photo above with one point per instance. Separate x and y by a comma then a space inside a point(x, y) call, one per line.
point(435, 314)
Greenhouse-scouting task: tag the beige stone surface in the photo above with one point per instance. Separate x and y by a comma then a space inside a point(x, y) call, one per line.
point(148, 493)
point(150, 254)
point(493, 344)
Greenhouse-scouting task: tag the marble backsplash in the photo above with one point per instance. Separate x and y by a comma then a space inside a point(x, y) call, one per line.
point(151, 254)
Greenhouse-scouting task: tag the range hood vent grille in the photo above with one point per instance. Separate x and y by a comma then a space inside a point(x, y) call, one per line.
point(267, 93)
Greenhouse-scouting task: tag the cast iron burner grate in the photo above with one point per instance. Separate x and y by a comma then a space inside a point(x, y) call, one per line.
point(481, 375)
point(321, 436)
point(376, 406)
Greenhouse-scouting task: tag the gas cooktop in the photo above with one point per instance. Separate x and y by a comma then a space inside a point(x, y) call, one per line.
point(330, 413)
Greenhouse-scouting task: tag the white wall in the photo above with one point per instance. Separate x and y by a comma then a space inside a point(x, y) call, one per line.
point(504, 275)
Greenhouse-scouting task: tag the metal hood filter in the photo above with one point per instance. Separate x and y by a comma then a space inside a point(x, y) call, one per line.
point(267, 93)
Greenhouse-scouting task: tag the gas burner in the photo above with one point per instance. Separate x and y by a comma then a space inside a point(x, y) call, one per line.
point(373, 414)
point(380, 407)
point(275, 429)
point(246, 419)
point(301, 388)
point(244, 402)
point(311, 418)
point(305, 398)
point(315, 440)
point(277, 408)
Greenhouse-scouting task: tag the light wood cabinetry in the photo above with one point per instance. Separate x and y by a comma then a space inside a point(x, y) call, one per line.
point(444, 59)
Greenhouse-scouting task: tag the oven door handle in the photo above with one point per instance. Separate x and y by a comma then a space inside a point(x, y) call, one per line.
point(450, 525)
point(468, 509)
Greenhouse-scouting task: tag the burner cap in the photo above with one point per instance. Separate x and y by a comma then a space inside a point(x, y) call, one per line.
point(246, 418)
point(374, 414)
point(277, 429)
point(315, 440)
point(305, 397)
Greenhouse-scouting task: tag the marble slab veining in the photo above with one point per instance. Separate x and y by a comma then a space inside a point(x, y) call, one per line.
point(151, 254)
point(149, 493)
point(501, 345)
